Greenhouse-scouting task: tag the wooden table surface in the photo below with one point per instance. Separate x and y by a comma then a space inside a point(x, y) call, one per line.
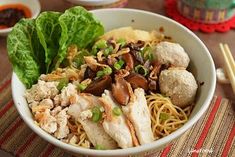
point(211, 40)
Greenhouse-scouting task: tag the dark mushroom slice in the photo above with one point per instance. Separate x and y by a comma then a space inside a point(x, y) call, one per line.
point(120, 91)
point(89, 73)
point(152, 84)
point(137, 55)
point(98, 86)
point(129, 60)
point(137, 80)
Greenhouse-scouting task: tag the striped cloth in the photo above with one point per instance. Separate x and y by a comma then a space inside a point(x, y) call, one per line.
point(213, 135)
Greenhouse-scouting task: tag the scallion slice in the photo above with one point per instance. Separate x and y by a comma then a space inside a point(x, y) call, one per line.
point(63, 83)
point(164, 116)
point(141, 70)
point(118, 65)
point(117, 111)
point(96, 114)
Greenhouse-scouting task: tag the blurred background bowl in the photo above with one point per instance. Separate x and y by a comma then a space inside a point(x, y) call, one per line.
point(92, 2)
point(33, 5)
point(201, 65)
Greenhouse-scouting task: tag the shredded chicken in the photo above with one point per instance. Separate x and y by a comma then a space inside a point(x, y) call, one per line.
point(67, 96)
point(41, 90)
point(46, 121)
point(62, 120)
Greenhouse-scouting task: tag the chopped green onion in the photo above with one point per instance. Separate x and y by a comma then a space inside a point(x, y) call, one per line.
point(101, 44)
point(81, 87)
point(141, 70)
point(100, 74)
point(94, 50)
point(96, 114)
point(78, 60)
point(117, 111)
point(122, 42)
point(164, 116)
point(99, 147)
point(147, 53)
point(63, 83)
point(105, 71)
point(118, 65)
point(108, 50)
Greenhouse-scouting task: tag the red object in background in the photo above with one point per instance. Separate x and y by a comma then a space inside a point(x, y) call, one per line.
point(10, 14)
point(171, 10)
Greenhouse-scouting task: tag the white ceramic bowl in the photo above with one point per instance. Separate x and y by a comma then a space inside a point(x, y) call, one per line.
point(201, 65)
point(33, 5)
point(92, 2)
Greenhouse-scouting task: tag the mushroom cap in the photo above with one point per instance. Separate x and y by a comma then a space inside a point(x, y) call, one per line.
point(180, 85)
point(171, 53)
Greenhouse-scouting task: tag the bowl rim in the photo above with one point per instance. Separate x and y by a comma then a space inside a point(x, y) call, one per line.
point(93, 2)
point(37, 4)
point(143, 148)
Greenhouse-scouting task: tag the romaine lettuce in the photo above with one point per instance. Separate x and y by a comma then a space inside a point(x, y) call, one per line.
point(39, 46)
point(25, 52)
point(78, 27)
point(49, 31)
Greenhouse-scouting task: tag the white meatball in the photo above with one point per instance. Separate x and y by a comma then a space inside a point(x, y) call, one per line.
point(180, 85)
point(171, 53)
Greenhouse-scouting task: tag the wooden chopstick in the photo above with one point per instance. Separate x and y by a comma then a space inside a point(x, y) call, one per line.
point(228, 63)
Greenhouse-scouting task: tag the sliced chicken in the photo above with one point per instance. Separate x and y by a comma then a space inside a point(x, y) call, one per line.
point(96, 134)
point(138, 113)
point(81, 111)
point(115, 126)
point(81, 105)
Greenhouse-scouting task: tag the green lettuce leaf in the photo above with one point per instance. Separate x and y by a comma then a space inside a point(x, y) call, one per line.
point(25, 52)
point(78, 27)
point(49, 31)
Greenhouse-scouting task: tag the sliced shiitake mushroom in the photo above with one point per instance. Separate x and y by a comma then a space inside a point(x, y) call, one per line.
point(152, 84)
point(137, 80)
point(120, 91)
point(98, 86)
point(129, 60)
point(89, 73)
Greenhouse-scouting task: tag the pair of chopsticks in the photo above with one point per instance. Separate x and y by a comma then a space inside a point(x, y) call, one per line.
point(229, 64)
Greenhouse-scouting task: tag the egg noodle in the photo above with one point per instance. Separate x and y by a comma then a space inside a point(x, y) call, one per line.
point(165, 116)
point(78, 130)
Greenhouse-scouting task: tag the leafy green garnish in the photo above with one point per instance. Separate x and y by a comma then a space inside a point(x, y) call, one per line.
point(37, 47)
point(49, 31)
point(25, 52)
point(78, 27)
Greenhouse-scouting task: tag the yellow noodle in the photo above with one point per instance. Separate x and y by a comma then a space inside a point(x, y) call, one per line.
point(176, 117)
point(83, 140)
